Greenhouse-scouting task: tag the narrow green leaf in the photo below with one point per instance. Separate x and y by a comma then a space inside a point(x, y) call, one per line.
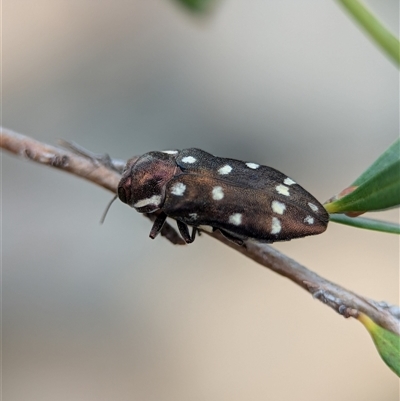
point(197, 6)
point(368, 224)
point(382, 191)
point(377, 31)
point(386, 342)
point(377, 188)
point(390, 156)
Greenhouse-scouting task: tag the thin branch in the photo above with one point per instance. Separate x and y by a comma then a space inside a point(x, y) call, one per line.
point(39, 152)
point(93, 168)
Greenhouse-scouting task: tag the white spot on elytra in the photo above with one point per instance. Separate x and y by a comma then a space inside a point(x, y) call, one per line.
point(289, 181)
point(252, 165)
point(178, 189)
point(313, 207)
point(282, 189)
point(193, 216)
point(170, 152)
point(235, 219)
point(309, 220)
point(154, 200)
point(278, 207)
point(217, 193)
point(225, 170)
point(189, 159)
point(276, 226)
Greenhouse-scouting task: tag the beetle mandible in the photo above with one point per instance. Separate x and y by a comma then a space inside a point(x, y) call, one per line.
point(242, 200)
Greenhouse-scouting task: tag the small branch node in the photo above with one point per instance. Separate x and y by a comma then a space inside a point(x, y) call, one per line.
point(348, 312)
point(318, 295)
point(59, 161)
point(97, 159)
point(395, 311)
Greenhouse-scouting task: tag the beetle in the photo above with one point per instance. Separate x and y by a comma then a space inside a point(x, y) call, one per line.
point(243, 200)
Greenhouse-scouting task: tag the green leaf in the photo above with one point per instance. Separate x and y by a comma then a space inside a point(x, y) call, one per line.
point(390, 156)
point(369, 224)
point(197, 6)
point(377, 188)
point(386, 342)
point(377, 31)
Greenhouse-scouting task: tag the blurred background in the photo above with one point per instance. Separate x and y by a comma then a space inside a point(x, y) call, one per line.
point(98, 313)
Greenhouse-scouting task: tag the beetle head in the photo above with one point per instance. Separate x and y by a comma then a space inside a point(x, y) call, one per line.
point(142, 185)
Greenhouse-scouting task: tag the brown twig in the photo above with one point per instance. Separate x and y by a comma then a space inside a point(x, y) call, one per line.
point(105, 173)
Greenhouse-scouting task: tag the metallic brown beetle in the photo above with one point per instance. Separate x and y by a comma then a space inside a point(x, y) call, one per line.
point(242, 200)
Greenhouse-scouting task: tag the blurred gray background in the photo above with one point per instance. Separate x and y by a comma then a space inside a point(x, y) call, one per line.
point(98, 313)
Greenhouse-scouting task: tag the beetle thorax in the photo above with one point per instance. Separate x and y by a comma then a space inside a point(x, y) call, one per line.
point(143, 184)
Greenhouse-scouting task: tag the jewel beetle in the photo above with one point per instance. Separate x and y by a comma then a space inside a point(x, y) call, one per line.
point(242, 200)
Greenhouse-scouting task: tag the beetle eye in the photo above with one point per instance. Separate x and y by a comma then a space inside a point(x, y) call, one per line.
point(122, 194)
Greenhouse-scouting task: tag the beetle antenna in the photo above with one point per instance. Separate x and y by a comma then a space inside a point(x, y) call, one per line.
point(103, 217)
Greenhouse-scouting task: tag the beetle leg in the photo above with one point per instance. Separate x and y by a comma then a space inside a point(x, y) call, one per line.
point(158, 225)
point(230, 237)
point(184, 230)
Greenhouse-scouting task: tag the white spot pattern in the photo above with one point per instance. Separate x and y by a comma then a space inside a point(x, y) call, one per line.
point(282, 189)
point(276, 226)
point(217, 193)
point(225, 170)
point(235, 219)
point(178, 189)
point(289, 181)
point(154, 200)
point(189, 159)
point(309, 220)
point(313, 207)
point(254, 166)
point(170, 152)
point(193, 216)
point(278, 207)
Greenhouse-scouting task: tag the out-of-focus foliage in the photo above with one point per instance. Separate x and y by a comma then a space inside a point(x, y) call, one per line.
point(377, 31)
point(198, 6)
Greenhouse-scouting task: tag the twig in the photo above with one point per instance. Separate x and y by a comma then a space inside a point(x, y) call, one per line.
point(105, 174)
point(91, 168)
